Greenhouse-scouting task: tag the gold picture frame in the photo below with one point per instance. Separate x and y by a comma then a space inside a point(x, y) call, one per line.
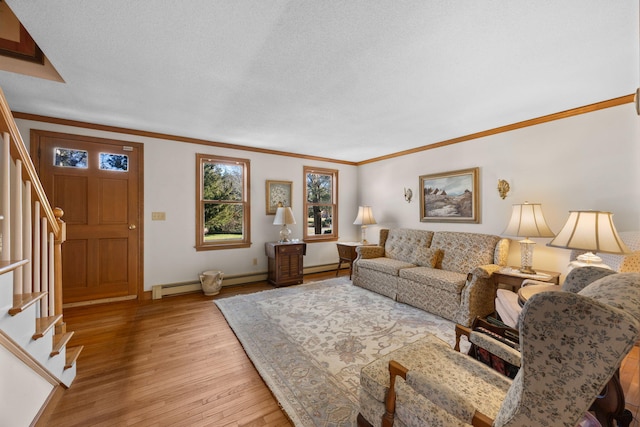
point(278, 192)
point(450, 197)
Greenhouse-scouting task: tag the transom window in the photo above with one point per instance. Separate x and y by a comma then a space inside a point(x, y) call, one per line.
point(223, 210)
point(321, 204)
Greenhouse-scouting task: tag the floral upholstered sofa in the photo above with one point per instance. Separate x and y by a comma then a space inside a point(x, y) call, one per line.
point(443, 272)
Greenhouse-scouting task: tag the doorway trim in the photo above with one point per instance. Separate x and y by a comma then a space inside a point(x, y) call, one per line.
point(34, 144)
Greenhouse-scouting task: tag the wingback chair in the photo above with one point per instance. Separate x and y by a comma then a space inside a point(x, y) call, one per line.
point(571, 344)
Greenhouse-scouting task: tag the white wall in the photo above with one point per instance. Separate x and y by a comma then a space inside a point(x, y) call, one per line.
point(590, 161)
point(169, 186)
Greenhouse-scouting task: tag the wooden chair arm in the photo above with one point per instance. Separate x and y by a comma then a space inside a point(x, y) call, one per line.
point(461, 330)
point(481, 420)
point(395, 369)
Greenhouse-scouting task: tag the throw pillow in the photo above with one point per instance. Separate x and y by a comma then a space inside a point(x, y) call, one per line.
point(428, 257)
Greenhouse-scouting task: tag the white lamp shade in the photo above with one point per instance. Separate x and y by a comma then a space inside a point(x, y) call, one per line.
point(527, 220)
point(284, 216)
point(590, 231)
point(365, 216)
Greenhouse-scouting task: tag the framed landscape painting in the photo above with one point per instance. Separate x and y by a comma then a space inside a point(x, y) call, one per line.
point(450, 197)
point(278, 192)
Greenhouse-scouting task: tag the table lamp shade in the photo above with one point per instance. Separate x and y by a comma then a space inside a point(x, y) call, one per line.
point(364, 218)
point(591, 231)
point(527, 220)
point(284, 217)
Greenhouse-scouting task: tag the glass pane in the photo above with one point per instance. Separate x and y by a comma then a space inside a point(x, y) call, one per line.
point(223, 222)
point(319, 188)
point(319, 220)
point(70, 158)
point(114, 162)
point(223, 182)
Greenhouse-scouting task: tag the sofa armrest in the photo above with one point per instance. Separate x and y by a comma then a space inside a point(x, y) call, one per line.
point(484, 271)
point(369, 252)
point(478, 294)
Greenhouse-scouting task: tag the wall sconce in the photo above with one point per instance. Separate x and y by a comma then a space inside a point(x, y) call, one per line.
point(408, 194)
point(503, 188)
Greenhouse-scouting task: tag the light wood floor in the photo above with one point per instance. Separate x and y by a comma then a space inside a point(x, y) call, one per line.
point(176, 362)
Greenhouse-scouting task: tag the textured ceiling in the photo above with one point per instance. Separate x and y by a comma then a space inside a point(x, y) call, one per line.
point(349, 80)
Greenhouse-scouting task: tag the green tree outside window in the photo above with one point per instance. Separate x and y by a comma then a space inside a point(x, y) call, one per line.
point(223, 203)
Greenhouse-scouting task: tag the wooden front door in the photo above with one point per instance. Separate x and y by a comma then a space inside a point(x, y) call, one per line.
point(98, 184)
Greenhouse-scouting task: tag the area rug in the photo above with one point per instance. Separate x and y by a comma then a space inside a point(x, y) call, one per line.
point(309, 343)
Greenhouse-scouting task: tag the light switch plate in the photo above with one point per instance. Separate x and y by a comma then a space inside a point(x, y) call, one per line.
point(158, 216)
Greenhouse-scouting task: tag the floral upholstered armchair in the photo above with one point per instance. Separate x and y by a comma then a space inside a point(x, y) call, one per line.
point(571, 345)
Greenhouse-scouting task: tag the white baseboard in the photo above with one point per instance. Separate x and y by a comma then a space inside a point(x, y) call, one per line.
point(159, 291)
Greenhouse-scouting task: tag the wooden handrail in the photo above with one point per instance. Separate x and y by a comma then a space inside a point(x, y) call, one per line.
point(19, 151)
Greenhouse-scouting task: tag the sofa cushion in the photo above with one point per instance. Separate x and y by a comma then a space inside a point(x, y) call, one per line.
point(384, 265)
point(401, 243)
point(428, 257)
point(446, 280)
point(463, 251)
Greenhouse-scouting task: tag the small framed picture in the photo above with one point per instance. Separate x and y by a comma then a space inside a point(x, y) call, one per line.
point(450, 197)
point(278, 192)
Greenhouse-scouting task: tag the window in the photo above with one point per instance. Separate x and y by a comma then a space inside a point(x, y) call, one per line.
point(222, 211)
point(321, 204)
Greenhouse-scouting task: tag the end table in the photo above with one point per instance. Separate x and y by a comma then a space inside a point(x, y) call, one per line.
point(285, 262)
point(512, 277)
point(347, 253)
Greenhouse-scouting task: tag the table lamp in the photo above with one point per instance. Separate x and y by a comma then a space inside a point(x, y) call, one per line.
point(527, 221)
point(284, 217)
point(364, 218)
point(591, 231)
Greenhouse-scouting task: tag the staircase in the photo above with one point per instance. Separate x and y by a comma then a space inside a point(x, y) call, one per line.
point(35, 361)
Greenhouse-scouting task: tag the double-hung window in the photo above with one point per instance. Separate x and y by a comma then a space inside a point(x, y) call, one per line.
point(320, 204)
point(223, 210)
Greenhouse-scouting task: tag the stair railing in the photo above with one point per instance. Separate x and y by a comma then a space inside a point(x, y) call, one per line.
point(30, 228)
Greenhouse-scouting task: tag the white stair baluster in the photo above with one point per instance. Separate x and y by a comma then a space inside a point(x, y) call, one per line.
point(27, 241)
point(16, 225)
point(5, 171)
point(44, 269)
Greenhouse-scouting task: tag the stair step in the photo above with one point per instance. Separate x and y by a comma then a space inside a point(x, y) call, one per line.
point(72, 356)
point(59, 341)
point(43, 324)
point(23, 301)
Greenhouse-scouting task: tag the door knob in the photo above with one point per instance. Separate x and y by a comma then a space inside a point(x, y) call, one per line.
point(132, 227)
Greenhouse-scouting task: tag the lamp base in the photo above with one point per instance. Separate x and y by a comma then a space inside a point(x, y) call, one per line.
point(526, 256)
point(588, 259)
point(284, 234)
point(527, 270)
point(363, 234)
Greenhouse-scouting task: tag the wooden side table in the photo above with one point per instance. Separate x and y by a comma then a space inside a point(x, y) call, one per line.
point(513, 278)
point(347, 253)
point(285, 263)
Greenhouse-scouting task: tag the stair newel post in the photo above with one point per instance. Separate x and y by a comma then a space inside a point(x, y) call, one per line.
point(61, 326)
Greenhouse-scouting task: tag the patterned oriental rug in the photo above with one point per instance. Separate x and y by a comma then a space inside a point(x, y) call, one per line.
point(309, 342)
